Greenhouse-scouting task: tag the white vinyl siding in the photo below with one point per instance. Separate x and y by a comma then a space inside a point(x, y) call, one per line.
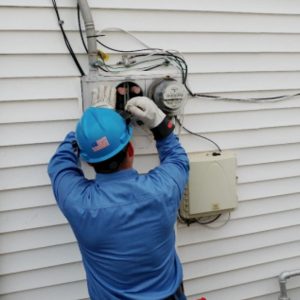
point(234, 48)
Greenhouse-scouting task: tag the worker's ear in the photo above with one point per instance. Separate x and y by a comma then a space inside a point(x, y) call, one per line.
point(130, 150)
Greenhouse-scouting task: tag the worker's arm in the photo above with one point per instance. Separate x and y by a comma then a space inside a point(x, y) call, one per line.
point(172, 174)
point(174, 163)
point(63, 170)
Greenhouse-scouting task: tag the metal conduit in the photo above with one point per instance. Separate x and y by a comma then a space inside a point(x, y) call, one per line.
point(283, 277)
point(90, 33)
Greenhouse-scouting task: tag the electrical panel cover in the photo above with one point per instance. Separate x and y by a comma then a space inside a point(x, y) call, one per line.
point(212, 185)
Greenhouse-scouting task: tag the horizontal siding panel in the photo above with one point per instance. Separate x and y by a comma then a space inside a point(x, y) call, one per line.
point(230, 140)
point(210, 42)
point(26, 155)
point(26, 111)
point(263, 206)
point(39, 258)
point(203, 105)
point(271, 171)
point(25, 198)
point(243, 120)
point(52, 42)
point(24, 177)
point(197, 234)
point(36, 238)
point(67, 291)
point(39, 89)
point(241, 62)
point(237, 244)
point(241, 276)
point(16, 66)
point(235, 82)
point(33, 133)
point(208, 267)
point(41, 278)
point(267, 154)
point(199, 21)
point(270, 188)
point(292, 293)
point(31, 218)
point(45, 19)
point(267, 6)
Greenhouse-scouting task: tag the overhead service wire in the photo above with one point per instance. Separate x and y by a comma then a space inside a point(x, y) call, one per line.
point(69, 47)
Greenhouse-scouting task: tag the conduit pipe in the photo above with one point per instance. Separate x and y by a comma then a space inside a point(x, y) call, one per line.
point(283, 277)
point(90, 34)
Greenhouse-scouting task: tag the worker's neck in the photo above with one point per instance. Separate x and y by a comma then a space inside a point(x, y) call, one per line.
point(126, 165)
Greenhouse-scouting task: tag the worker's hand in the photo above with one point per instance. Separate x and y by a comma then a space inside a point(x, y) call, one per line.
point(104, 96)
point(145, 110)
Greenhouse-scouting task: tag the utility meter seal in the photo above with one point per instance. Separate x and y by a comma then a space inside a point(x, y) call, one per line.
point(168, 94)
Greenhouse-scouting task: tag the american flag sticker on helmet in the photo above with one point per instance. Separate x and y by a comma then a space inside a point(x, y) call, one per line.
point(100, 144)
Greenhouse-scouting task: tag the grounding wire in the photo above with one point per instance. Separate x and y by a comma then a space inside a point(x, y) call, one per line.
point(69, 47)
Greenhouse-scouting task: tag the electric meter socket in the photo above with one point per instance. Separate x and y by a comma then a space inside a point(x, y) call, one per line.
point(168, 94)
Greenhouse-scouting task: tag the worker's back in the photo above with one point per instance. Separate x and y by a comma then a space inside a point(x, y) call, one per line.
point(127, 239)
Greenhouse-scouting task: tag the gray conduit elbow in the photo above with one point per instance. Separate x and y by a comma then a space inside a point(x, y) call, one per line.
point(283, 277)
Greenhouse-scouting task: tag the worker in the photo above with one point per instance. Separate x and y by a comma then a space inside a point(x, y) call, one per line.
point(123, 221)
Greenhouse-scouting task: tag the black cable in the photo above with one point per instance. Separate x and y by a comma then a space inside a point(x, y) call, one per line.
point(198, 135)
point(69, 47)
point(210, 221)
point(80, 29)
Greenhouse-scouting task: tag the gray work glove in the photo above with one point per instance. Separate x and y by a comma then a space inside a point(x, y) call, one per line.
point(145, 110)
point(104, 96)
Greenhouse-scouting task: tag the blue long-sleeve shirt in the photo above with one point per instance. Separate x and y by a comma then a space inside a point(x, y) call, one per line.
point(124, 222)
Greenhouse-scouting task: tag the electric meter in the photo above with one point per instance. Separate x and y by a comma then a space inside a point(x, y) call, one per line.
point(168, 94)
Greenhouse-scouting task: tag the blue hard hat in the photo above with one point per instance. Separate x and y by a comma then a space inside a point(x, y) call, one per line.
point(101, 133)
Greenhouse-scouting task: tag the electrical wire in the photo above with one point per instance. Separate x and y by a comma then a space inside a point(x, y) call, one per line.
point(221, 225)
point(69, 47)
point(198, 135)
point(214, 218)
point(251, 100)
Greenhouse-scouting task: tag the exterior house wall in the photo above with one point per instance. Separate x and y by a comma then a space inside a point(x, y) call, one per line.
point(234, 48)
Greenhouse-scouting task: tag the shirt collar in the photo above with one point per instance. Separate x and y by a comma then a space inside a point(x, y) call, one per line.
point(127, 173)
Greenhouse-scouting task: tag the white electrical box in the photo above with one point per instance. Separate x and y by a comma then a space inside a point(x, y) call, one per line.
point(168, 92)
point(212, 185)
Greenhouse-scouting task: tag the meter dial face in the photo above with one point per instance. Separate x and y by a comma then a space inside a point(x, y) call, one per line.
point(173, 95)
point(168, 94)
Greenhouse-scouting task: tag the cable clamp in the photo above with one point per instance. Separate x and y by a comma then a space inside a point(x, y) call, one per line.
point(61, 22)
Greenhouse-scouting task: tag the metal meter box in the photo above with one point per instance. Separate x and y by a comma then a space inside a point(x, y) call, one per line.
point(212, 185)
